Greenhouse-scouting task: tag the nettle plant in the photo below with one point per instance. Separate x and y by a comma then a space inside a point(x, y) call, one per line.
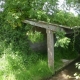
point(62, 40)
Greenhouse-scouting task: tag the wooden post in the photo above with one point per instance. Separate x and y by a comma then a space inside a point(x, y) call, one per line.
point(50, 47)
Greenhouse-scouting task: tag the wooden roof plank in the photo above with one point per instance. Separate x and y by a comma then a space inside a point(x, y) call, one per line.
point(44, 25)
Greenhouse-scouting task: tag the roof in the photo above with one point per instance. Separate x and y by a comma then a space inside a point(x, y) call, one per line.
point(51, 26)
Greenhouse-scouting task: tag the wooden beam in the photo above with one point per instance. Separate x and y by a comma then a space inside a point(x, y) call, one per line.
point(50, 47)
point(43, 25)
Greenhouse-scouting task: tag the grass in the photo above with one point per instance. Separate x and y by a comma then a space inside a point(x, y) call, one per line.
point(13, 67)
point(17, 66)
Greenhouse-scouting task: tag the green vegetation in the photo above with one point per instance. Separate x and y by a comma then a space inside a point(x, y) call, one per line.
point(16, 11)
point(62, 40)
point(15, 65)
point(17, 60)
point(61, 53)
point(35, 36)
point(77, 74)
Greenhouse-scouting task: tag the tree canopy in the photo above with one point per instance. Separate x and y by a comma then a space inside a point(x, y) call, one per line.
point(15, 11)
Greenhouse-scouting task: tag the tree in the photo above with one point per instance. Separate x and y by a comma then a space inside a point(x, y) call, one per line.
point(17, 10)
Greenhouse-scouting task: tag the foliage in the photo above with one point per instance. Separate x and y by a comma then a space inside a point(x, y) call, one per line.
point(77, 75)
point(64, 53)
point(15, 38)
point(62, 41)
point(76, 41)
point(16, 66)
point(35, 36)
point(16, 62)
point(75, 4)
point(65, 18)
point(16, 11)
point(77, 65)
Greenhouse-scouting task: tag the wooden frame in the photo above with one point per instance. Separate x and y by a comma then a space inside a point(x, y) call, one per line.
point(50, 28)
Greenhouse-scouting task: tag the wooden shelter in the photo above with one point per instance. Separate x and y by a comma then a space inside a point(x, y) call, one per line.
point(50, 29)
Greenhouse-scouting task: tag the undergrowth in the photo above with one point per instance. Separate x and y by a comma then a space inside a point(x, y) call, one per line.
point(13, 67)
point(19, 65)
point(16, 66)
point(66, 53)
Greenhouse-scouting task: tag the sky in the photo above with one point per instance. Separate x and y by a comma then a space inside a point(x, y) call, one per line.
point(61, 5)
point(1, 9)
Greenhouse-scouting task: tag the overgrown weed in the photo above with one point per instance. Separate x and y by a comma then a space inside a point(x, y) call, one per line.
point(17, 66)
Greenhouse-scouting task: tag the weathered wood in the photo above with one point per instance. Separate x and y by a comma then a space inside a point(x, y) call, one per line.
point(50, 47)
point(50, 28)
point(43, 25)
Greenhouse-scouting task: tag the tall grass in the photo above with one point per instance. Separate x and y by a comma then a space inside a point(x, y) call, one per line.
point(16, 66)
point(13, 67)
